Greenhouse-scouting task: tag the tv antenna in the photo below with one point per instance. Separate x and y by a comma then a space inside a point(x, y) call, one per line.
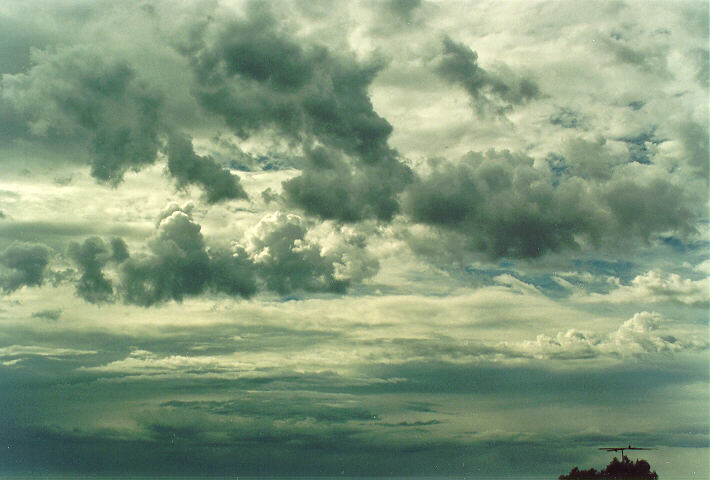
point(621, 449)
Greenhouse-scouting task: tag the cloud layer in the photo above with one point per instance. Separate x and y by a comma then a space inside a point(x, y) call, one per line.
point(394, 238)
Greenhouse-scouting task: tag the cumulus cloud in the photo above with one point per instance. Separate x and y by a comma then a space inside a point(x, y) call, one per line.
point(287, 259)
point(282, 253)
point(91, 256)
point(507, 205)
point(77, 92)
point(178, 264)
point(101, 101)
point(23, 264)
point(659, 287)
point(332, 186)
point(636, 336)
point(502, 204)
point(489, 92)
point(187, 167)
point(257, 76)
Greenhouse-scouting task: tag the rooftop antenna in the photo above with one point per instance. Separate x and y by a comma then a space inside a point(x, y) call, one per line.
point(617, 449)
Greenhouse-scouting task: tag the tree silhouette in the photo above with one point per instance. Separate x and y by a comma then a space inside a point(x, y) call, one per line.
point(617, 470)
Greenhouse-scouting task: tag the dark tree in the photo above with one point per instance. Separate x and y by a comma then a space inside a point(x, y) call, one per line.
point(616, 470)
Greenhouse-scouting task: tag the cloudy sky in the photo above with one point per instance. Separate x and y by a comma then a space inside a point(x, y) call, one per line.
point(353, 238)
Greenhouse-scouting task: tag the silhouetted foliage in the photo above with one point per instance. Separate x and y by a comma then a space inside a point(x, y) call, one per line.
point(618, 470)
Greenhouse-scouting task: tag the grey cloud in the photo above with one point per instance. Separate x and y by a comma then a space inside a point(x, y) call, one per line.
point(119, 250)
point(393, 17)
point(178, 265)
point(100, 101)
point(696, 144)
point(48, 314)
point(23, 264)
point(91, 256)
point(627, 50)
point(279, 254)
point(418, 423)
point(590, 159)
point(287, 260)
point(287, 406)
point(505, 206)
point(79, 93)
point(196, 445)
point(701, 56)
point(489, 91)
point(403, 8)
point(188, 167)
point(332, 187)
point(643, 208)
point(17, 39)
point(607, 386)
point(502, 204)
point(567, 118)
point(640, 146)
point(257, 77)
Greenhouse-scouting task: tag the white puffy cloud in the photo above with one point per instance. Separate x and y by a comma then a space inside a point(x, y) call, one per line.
point(656, 286)
point(637, 336)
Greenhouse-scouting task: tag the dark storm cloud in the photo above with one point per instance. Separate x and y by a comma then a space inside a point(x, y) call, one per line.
point(79, 93)
point(179, 265)
point(505, 206)
point(23, 264)
point(187, 167)
point(91, 256)
point(258, 76)
point(100, 101)
point(333, 188)
point(489, 91)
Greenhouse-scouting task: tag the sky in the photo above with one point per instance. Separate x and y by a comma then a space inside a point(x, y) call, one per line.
point(371, 238)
